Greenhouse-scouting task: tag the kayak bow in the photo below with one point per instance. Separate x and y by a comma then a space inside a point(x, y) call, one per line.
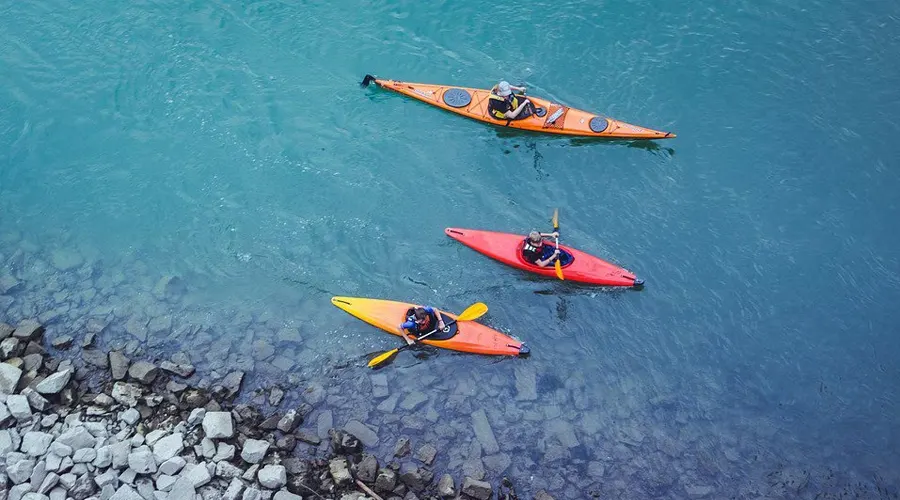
point(554, 118)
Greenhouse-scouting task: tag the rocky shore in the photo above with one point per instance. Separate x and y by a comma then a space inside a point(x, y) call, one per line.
point(122, 429)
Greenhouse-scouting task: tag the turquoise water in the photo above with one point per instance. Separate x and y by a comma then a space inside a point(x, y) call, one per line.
point(229, 144)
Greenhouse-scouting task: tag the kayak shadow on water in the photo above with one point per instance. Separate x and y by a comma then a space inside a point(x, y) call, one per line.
point(533, 138)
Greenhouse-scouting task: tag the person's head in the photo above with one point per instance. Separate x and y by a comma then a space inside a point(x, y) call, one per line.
point(421, 316)
point(503, 89)
point(534, 237)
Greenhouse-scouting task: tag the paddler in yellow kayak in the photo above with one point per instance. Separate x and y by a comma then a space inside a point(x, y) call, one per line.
point(504, 105)
point(421, 321)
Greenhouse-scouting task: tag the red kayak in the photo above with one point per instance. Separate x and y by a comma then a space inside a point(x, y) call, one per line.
point(577, 265)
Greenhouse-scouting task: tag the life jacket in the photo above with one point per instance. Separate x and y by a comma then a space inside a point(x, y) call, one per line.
point(430, 321)
point(514, 103)
point(531, 247)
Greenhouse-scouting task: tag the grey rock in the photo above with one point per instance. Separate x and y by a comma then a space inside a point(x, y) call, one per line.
point(207, 448)
point(483, 432)
point(10, 347)
point(65, 260)
point(84, 455)
point(35, 400)
point(36, 444)
point(386, 480)
point(126, 394)
point(696, 491)
point(143, 372)
point(340, 474)
point(53, 462)
point(109, 477)
point(28, 330)
point(218, 425)
point(145, 488)
point(308, 437)
point(38, 474)
point(68, 481)
point(402, 448)
point(9, 378)
point(137, 328)
point(379, 385)
point(8, 285)
point(19, 467)
point(95, 357)
point(366, 469)
point(130, 416)
point(83, 488)
point(32, 362)
point(275, 396)
point(426, 454)
point(252, 494)
point(118, 365)
point(232, 383)
point(168, 447)
point(497, 463)
point(254, 451)
point(324, 422)
point(415, 477)
point(543, 495)
point(165, 482)
point(54, 383)
point(9, 440)
point(479, 490)
point(172, 466)
point(119, 452)
point(526, 383)
point(49, 482)
point(18, 491)
point(90, 336)
point(362, 432)
point(272, 477)
point(183, 371)
point(413, 401)
point(62, 342)
point(234, 490)
point(58, 493)
point(446, 488)
point(289, 421)
point(18, 407)
point(250, 474)
point(196, 417)
point(141, 460)
point(77, 438)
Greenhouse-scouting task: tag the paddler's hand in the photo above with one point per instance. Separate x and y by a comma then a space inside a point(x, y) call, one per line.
point(556, 253)
point(441, 325)
point(408, 340)
point(555, 234)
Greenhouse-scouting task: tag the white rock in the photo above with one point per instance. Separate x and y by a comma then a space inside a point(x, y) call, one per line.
point(58, 493)
point(54, 462)
point(120, 453)
point(103, 459)
point(126, 492)
point(141, 460)
point(5, 416)
point(196, 416)
point(254, 451)
point(252, 494)
point(235, 488)
point(224, 452)
point(227, 470)
point(9, 378)
point(208, 448)
point(165, 482)
point(19, 491)
point(19, 467)
point(84, 455)
point(128, 476)
point(218, 425)
point(77, 438)
point(126, 394)
point(68, 480)
point(36, 444)
point(198, 474)
point(286, 495)
point(61, 450)
point(137, 440)
point(168, 447)
point(172, 466)
point(272, 476)
point(54, 383)
point(108, 477)
point(38, 474)
point(155, 436)
point(49, 482)
point(18, 406)
point(183, 489)
point(130, 416)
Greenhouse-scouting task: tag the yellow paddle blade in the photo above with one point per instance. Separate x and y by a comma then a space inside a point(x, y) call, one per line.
point(381, 358)
point(558, 268)
point(474, 311)
point(555, 219)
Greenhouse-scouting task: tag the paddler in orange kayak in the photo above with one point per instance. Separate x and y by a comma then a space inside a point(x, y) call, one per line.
point(419, 321)
point(504, 105)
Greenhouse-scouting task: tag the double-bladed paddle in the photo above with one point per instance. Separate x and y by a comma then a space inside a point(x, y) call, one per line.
point(556, 265)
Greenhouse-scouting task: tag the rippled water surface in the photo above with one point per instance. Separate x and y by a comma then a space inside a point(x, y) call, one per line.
point(228, 144)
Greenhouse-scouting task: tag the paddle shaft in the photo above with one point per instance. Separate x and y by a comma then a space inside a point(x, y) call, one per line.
point(423, 337)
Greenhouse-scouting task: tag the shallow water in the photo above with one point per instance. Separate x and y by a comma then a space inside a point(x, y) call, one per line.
point(228, 144)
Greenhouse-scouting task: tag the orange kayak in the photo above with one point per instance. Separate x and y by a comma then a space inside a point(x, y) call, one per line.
point(467, 336)
point(550, 118)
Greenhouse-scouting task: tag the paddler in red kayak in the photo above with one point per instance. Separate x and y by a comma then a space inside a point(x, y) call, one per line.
point(419, 321)
point(542, 253)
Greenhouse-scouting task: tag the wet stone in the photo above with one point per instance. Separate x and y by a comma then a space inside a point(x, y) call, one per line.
point(402, 448)
point(426, 454)
point(479, 490)
point(362, 432)
point(275, 396)
point(137, 328)
point(484, 433)
point(143, 372)
point(9, 378)
point(118, 365)
point(95, 357)
point(446, 488)
point(62, 342)
point(366, 469)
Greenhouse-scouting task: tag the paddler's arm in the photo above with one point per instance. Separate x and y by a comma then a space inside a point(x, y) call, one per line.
point(520, 89)
point(511, 115)
point(404, 331)
point(548, 260)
